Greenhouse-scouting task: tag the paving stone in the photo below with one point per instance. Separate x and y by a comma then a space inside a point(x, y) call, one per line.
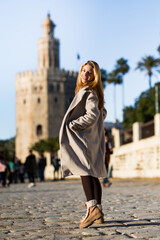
point(52, 210)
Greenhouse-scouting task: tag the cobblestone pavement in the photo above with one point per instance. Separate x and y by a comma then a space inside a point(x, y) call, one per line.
point(52, 210)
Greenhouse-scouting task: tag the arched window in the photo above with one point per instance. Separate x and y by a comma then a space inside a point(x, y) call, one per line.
point(50, 88)
point(38, 100)
point(39, 130)
point(55, 99)
point(58, 87)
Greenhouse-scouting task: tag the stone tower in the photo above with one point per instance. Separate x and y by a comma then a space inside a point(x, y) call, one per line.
point(42, 96)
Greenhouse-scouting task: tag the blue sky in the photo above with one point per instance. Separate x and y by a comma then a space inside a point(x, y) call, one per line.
point(100, 30)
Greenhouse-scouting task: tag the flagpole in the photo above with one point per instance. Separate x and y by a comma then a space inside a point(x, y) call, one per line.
point(78, 58)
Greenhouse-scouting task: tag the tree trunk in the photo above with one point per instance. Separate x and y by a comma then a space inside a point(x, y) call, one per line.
point(114, 96)
point(150, 83)
point(123, 104)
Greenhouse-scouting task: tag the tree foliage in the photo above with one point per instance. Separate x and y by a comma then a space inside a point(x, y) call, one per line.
point(8, 147)
point(114, 78)
point(143, 109)
point(46, 145)
point(103, 77)
point(122, 67)
point(147, 64)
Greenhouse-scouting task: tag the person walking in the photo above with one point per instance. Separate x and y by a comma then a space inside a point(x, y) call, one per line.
point(82, 143)
point(108, 151)
point(31, 168)
point(55, 161)
point(11, 168)
point(41, 167)
point(3, 169)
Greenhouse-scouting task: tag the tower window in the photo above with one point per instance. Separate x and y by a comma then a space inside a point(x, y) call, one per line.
point(38, 100)
point(55, 99)
point(58, 87)
point(39, 130)
point(24, 101)
point(50, 88)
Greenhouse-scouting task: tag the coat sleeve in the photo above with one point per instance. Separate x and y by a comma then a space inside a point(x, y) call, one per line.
point(91, 115)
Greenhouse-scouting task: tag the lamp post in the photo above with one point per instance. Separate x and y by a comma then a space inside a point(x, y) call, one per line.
point(156, 99)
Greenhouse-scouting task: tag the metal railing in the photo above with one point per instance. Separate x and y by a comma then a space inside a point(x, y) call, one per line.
point(126, 136)
point(147, 129)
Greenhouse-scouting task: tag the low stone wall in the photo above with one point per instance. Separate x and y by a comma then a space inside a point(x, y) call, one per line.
point(140, 158)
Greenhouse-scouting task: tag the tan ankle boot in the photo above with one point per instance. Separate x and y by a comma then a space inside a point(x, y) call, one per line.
point(92, 213)
point(100, 220)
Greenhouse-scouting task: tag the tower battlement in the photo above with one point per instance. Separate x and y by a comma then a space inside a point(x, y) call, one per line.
point(69, 73)
point(25, 74)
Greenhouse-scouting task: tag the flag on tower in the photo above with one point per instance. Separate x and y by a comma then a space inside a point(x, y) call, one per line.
point(78, 56)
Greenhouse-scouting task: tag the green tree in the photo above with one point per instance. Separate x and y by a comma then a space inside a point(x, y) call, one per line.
point(121, 68)
point(103, 77)
point(143, 109)
point(147, 64)
point(129, 117)
point(145, 106)
point(8, 147)
point(46, 145)
point(158, 49)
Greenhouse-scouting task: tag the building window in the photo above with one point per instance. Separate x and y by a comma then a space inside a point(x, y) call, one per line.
point(38, 100)
point(58, 87)
point(24, 101)
point(50, 88)
point(39, 130)
point(55, 99)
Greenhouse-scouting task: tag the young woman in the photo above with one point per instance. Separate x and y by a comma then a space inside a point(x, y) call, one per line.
point(82, 144)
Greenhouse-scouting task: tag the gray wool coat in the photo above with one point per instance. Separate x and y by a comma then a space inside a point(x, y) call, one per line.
point(82, 143)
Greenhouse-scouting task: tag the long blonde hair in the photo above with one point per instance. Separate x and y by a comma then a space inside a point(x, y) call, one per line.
point(95, 84)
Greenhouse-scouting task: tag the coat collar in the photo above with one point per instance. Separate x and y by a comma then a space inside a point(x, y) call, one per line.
point(78, 97)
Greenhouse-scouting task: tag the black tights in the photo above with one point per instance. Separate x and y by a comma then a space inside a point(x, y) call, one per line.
point(92, 188)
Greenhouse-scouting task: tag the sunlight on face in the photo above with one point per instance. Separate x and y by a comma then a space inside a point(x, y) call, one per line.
point(87, 73)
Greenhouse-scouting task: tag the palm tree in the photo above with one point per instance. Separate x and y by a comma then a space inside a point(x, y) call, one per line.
point(121, 68)
point(147, 64)
point(114, 78)
point(158, 49)
point(103, 77)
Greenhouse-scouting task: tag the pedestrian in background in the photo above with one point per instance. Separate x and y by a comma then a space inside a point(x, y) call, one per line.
point(82, 144)
point(11, 168)
point(55, 161)
point(31, 168)
point(108, 151)
point(41, 167)
point(3, 169)
point(16, 170)
point(21, 171)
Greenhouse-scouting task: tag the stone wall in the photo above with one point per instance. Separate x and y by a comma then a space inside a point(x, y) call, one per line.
point(139, 158)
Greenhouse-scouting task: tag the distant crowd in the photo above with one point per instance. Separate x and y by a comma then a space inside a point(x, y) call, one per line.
point(14, 171)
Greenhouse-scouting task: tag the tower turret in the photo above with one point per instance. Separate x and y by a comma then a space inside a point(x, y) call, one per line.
point(48, 46)
point(48, 28)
